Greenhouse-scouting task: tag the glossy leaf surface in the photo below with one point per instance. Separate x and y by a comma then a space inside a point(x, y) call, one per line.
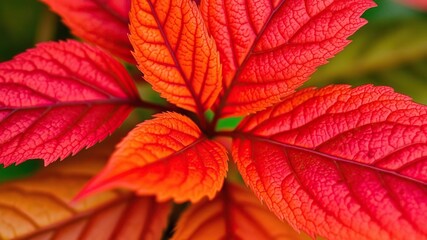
point(167, 156)
point(39, 207)
point(340, 163)
point(269, 48)
point(235, 213)
point(101, 22)
point(176, 53)
point(59, 98)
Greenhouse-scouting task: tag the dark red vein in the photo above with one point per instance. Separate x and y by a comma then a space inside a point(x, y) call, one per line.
point(256, 224)
point(324, 155)
point(226, 213)
point(115, 101)
point(150, 213)
point(227, 92)
point(47, 195)
point(354, 195)
point(395, 201)
point(79, 216)
point(138, 169)
point(119, 18)
point(199, 107)
point(21, 214)
point(310, 193)
point(129, 209)
point(207, 222)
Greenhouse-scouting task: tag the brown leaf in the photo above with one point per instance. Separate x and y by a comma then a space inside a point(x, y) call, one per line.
point(234, 214)
point(39, 207)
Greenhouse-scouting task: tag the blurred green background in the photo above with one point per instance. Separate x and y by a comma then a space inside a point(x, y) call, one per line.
point(391, 50)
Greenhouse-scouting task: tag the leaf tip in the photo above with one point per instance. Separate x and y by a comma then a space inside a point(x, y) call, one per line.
point(95, 185)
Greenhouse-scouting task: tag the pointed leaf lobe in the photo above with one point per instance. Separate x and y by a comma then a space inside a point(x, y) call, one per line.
point(235, 213)
point(39, 207)
point(340, 162)
point(269, 48)
point(58, 99)
point(101, 22)
point(176, 53)
point(167, 156)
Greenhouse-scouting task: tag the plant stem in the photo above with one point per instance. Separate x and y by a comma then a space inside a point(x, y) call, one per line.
point(155, 106)
point(226, 134)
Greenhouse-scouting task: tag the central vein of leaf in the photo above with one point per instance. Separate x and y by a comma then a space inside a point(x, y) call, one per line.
point(224, 97)
point(323, 155)
point(110, 11)
point(142, 167)
point(115, 101)
point(199, 107)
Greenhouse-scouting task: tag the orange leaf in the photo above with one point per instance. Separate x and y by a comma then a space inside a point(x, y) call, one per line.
point(167, 156)
point(234, 214)
point(176, 53)
point(39, 207)
point(269, 48)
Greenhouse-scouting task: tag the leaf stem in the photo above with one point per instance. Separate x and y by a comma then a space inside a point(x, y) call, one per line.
point(203, 122)
point(226, 134)
point(154, 106)
point(224, 97)
point(166, 108)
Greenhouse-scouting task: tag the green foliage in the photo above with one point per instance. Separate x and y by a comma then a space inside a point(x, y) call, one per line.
point(24, 170)
point(391, 50)
point(24, 23)
point(392, 53)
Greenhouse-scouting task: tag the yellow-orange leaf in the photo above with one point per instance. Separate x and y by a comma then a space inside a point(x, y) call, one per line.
point(234, 214)
point(39, 207)
point(175, 52)
point(167, 156)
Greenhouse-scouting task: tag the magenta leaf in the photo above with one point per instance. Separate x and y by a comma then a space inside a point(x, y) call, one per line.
point(59, 98)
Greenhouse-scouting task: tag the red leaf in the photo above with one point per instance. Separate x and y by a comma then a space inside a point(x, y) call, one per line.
point(167, 156)
point(176, 53)
point(339, 162)
point(102, 22)
point(269, 48)
point(59, 98)
point(234, 214)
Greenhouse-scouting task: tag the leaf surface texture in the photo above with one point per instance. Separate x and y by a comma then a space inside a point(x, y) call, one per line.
point(269, 48)
point(168, 157)
point(176, 53)
point(39, 207)
point(339, 162)
point(101, 22)
point(59, 98)
point(235, 213)
point(379, 57)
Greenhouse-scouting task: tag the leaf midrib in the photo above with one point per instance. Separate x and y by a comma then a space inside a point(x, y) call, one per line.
point(79, 216)
point(252, 137)
point(198, 104)
point(114, 101)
